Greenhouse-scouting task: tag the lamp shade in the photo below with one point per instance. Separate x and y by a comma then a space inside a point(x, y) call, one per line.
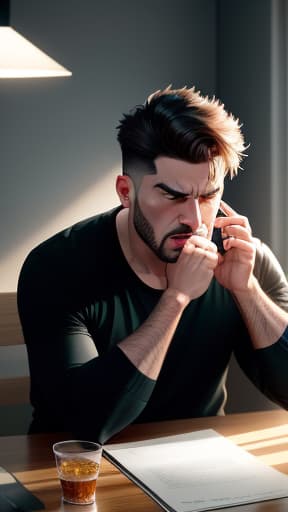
point(21, 59)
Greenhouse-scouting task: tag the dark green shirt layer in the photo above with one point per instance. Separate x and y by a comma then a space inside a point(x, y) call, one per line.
point(78, 298)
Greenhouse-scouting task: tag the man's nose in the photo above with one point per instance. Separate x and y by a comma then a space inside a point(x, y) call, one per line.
point(191, 214)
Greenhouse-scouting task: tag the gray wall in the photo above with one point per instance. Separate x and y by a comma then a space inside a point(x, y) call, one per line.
point(59, 156)
point(244, 85)
point(244, 64)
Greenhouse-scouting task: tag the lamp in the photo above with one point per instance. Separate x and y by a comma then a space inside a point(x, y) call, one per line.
point(18, 57)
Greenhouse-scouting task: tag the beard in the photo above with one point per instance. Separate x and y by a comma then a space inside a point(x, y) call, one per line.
point(146, 232)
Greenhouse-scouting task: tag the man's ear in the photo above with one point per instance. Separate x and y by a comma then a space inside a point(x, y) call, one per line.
point(124, 189)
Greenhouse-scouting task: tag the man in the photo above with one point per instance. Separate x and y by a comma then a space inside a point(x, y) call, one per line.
point(133, 315)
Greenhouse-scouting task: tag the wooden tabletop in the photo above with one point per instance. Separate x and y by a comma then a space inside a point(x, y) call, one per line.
point(30, 458)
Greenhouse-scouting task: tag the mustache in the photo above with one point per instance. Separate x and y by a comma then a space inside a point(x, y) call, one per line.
point(181, 230)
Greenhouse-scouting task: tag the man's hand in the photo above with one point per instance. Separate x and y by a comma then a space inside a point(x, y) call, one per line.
point(235, 268)
point(194, 269)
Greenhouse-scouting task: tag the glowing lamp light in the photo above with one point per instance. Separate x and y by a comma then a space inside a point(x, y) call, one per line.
point(19, 58)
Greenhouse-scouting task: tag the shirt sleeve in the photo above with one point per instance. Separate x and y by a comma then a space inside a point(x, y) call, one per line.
point(270, 275)
point(73, 388)
point(268, 367)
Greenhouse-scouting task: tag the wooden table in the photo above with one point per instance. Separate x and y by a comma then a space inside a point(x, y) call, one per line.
point(30, 458)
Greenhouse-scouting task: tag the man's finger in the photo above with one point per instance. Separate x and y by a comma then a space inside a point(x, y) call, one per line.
point(227, 209)
point(232, 216)
point(203, 243)
point(237, 231)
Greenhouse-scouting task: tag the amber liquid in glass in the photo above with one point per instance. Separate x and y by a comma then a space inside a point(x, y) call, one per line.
point(78, 480)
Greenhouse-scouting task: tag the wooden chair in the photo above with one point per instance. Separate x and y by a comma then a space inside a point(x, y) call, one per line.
point(14, 390)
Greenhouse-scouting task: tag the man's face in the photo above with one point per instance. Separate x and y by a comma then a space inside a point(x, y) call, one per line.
point(173, 204)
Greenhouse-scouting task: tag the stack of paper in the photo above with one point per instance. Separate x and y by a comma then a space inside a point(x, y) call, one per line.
point(197, 471)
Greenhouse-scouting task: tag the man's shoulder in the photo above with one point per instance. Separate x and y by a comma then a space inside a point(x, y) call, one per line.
point(74, 250)
point(270, 274)
point(68, 265)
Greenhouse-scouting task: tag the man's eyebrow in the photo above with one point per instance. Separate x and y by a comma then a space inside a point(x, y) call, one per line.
point(211, 192)
point(178, 194)
point(169, 190)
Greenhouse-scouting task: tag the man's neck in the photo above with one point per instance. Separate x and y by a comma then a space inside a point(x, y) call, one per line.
point(146, 265)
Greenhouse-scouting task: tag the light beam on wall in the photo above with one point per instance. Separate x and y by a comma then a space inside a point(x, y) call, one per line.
point(96, 199)
point(19, 58)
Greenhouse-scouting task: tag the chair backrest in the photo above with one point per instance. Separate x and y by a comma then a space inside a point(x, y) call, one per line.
point(14, 390)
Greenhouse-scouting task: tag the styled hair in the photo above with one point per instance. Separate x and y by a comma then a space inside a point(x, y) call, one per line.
point(182, 124)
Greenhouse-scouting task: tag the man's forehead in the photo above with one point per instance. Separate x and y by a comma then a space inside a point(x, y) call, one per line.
point(182, 175)
point(174, 166)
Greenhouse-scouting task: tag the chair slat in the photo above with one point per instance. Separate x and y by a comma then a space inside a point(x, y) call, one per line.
point(10, 327)
point(14, 390)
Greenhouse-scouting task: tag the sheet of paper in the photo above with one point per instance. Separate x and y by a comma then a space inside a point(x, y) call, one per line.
point(5, 477)
point(197, 471)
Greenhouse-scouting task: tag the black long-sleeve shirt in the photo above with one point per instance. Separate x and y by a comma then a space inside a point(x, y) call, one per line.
point(78, 298)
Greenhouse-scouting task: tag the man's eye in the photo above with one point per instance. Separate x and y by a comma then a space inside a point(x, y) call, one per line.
point(209, 196)
point(170, 196)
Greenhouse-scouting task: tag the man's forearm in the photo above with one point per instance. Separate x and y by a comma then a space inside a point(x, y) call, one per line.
point(147, 346)
point(265, 320)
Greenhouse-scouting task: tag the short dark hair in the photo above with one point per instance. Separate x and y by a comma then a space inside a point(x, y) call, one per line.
point(183, 124)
